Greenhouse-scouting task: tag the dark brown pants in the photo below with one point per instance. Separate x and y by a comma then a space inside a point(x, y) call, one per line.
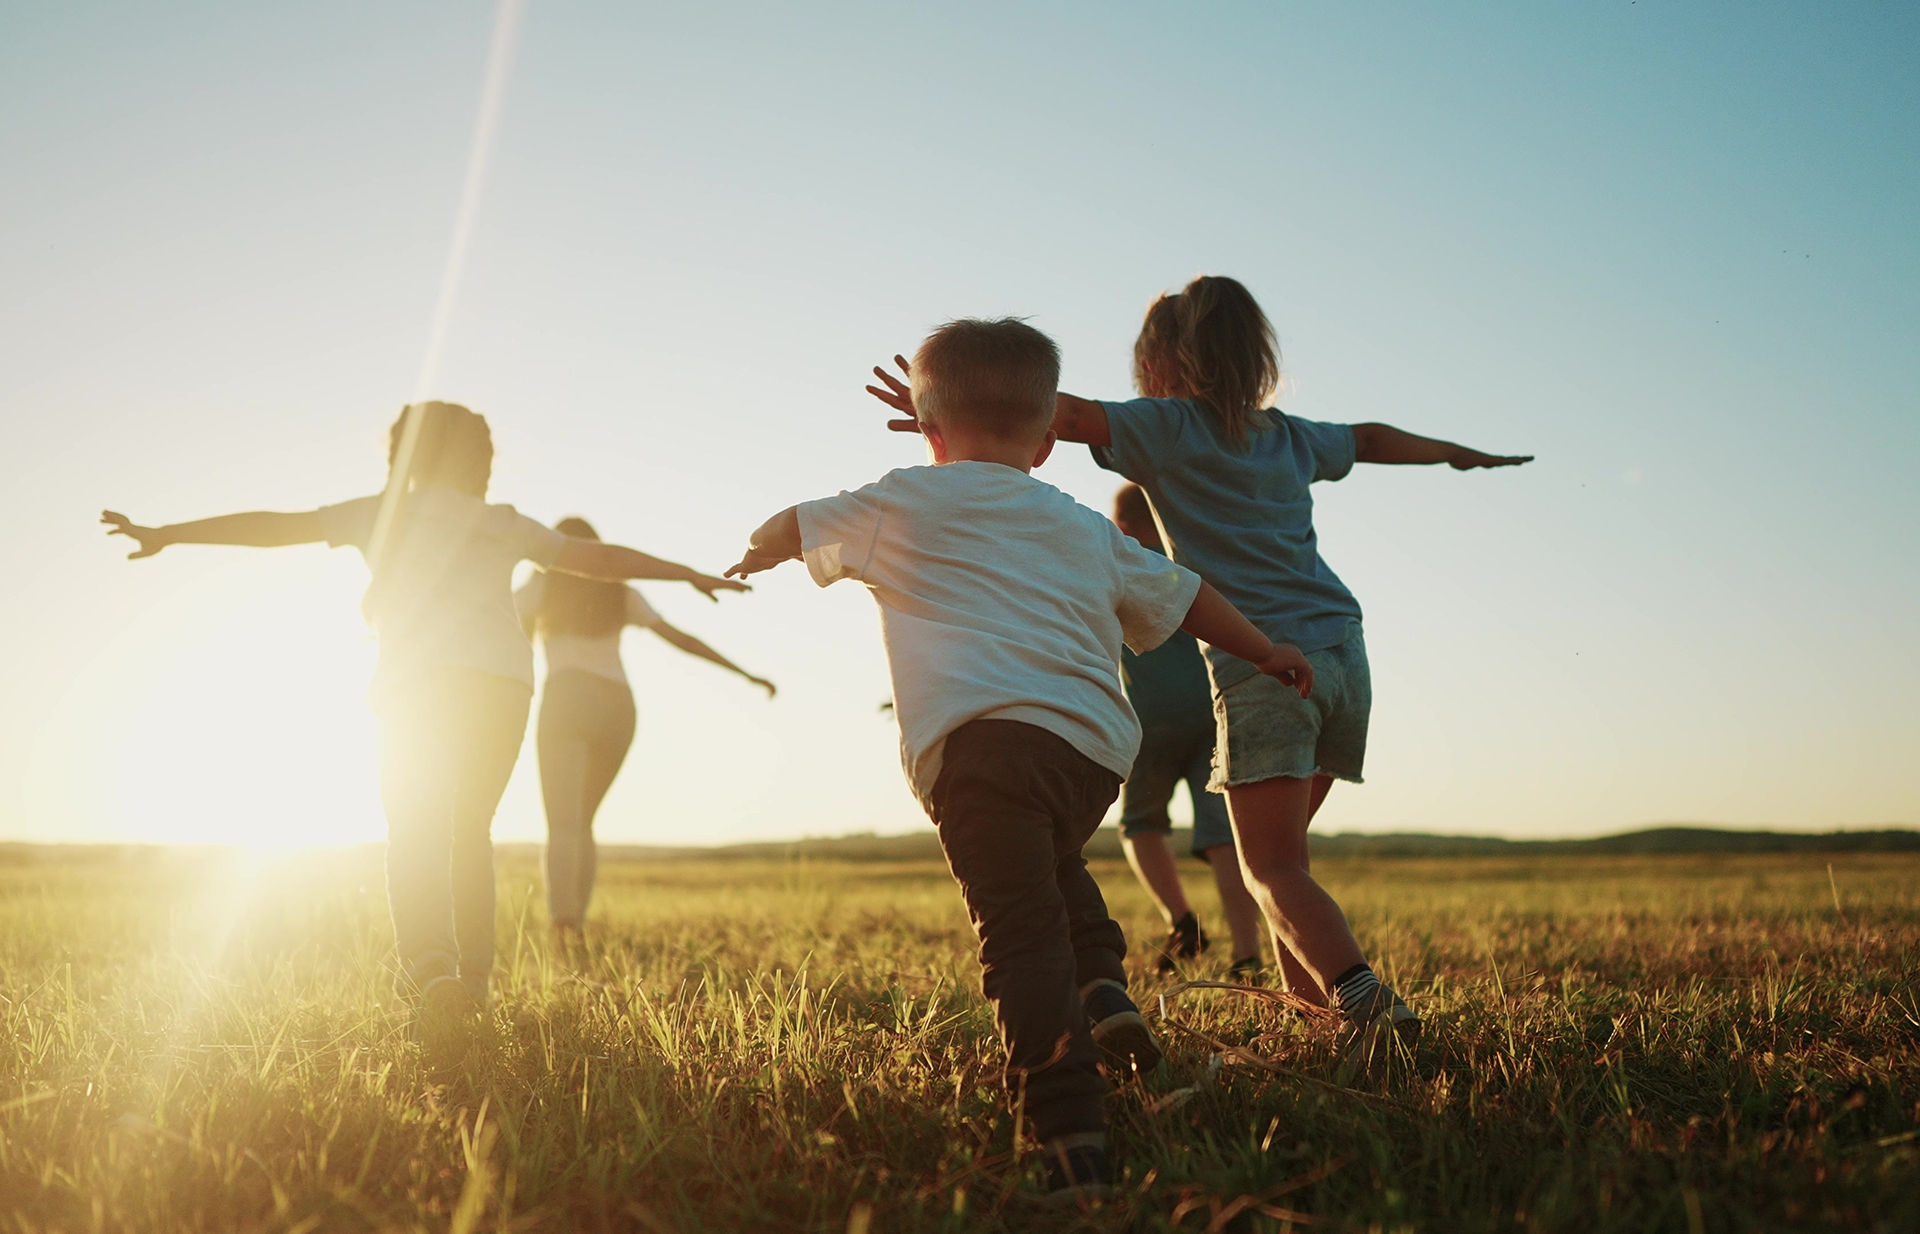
point(1015, 804)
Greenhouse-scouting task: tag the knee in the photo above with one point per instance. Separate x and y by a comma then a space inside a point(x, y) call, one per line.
point(1268, 868)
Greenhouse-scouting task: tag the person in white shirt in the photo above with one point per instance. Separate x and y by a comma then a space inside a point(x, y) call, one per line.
point(1004, 604)
point(587, 716)
point(453, 683)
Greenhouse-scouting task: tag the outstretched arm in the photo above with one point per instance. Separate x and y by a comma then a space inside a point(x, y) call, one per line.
point(774, 541)
point(258, 529)
point(1215, 621)
point(694, 647)
point(617, 563)
point(1383, 443)
point(1074, 419)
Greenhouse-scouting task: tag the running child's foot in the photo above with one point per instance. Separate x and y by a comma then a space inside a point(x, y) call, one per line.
point(1247, 970)
point(1375, 1015)
point(1077, 1171)
point(1185, 941)
point(447, 1017)
point(1119, 1029)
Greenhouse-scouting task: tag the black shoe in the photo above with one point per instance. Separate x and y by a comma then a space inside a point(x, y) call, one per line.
point(1118, 1027)
point(446, 1020)
point(1185, 941)
point(1077, 1176)
point(1249, 971)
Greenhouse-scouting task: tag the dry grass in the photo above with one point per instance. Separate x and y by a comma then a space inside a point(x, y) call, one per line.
point(1614, 1044)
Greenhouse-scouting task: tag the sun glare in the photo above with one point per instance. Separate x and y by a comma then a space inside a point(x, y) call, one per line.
point(252, 731)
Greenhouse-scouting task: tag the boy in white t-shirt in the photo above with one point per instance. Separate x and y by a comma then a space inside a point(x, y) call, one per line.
point(1004, 604)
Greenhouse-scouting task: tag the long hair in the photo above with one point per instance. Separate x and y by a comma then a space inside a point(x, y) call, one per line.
point(570, 604)
point(455, 448)
point(1210, 342)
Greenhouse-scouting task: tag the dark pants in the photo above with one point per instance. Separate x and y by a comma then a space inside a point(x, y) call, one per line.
point(447, 749)
point(1014, 805)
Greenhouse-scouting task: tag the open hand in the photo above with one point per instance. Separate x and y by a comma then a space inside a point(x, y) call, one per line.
point(1288, 666)
point(151, 539)
point(708, 585)
point(753, 563)
point(897, 395)
point(1467, 460)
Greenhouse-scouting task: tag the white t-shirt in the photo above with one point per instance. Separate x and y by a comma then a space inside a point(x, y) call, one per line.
point(1000, 598)
point(598, 654)
point(448, 599)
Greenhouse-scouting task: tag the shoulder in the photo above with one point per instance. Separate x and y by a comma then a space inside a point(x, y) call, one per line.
point(1330, 447)
point(1149, 434)
point(1162, 414)
point(528, 538)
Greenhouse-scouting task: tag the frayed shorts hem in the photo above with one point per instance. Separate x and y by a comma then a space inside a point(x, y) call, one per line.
point(1220, 785)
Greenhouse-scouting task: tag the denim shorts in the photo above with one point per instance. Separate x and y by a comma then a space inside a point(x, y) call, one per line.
point(1266, 730)
point(1168, 756)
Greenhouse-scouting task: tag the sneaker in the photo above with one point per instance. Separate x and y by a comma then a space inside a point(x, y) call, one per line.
point(1118, 1027)
point(1185, 941)
point(1386, 1020)
point(1247, 971)
point(1077, 1174)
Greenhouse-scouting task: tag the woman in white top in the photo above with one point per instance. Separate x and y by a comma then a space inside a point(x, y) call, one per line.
point(586, 712)
point(454, 681)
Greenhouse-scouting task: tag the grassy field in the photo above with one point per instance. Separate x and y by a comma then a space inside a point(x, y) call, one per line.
point(1687, 1044)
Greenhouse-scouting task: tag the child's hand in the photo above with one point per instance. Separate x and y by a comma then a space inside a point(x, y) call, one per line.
point(708, 585)
point(753, 563)
point(151, 539)
point(1288, 666)
point(1466, 460)
point(897, 396)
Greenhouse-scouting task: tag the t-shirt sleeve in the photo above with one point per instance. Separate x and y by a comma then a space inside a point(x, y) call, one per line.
point(838, 534)
point(1155, 594)
point(639, 612)
point(1145, 434)
point(535, 541)
point(1331, 446)
point(349, 523)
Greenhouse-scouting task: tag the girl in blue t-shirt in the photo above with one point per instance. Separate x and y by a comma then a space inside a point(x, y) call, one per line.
point(1229, 476)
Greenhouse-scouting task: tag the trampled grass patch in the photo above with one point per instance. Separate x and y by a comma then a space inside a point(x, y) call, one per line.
point(194, 1042)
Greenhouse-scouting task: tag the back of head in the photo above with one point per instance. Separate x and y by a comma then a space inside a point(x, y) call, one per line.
point(1211, 343)
point(579, 606)
point(996, 376)
point(1133, 514)
point(454, 448)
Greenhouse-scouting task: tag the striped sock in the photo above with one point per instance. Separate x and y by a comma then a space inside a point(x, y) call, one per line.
point(1355, 993)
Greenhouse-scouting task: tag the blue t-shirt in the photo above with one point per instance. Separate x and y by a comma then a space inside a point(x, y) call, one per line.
point(1241, 518)
point(1168, 687)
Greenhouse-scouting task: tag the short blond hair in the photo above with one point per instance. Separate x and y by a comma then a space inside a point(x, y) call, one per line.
point(997, 376)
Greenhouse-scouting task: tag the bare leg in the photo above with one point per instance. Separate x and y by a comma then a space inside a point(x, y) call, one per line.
point(1270, 820)
point(1243, 912)
point(1156, 867)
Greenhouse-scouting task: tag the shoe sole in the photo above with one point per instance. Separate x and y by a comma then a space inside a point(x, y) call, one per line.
point(1125, 1037)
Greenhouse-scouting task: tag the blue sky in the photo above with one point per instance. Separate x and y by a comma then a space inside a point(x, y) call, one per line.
point(1670, 252)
